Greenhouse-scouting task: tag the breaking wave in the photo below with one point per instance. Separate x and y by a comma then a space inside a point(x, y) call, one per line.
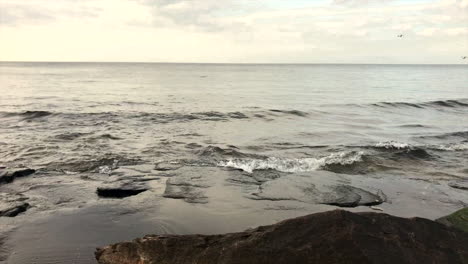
point(293, 165)
point(420, 151)
point(452, 147)
point(393, 145)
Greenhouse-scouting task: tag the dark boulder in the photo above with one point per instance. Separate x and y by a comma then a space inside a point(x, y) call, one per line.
point(329, 237)
point(121, 189)
point(14, 209)
point(8, 175)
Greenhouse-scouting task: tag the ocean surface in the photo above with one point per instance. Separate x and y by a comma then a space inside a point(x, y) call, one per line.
point(78, 123)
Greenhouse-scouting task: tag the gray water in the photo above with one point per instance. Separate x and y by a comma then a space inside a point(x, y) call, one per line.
point(77, 121)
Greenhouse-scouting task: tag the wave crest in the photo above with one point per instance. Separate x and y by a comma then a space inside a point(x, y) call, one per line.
point(293, 165)
point(431, 104)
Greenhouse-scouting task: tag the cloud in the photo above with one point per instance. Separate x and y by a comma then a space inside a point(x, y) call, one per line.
point(36, 12)
point(209, 15)
point(359, 2)
point(234, 30)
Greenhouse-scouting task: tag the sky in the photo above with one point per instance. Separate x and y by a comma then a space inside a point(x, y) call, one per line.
point(235, 31)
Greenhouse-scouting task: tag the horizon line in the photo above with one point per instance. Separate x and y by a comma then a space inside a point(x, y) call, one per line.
point(236, 63)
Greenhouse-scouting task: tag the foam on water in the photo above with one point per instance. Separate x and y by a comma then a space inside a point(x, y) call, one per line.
point(453, 147)
point(293, 165)
point(393, 145)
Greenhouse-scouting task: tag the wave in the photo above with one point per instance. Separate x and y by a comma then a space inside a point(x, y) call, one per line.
point(70, 136)
point(26, 115)
point(401, 149)
point(458, 134)
point(158, 117)
point(393, 145)
point(452, 147)
point(108, 136)
point(461, 103)
point(293, 165)
point(290, 112)
point(215, 152)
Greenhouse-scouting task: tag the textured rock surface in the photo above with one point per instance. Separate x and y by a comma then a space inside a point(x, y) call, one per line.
point(462, 185)
point(12, 205)
point(121, 189)
point(14, 209)
point(9, 175)
point(459, 219)
point(329, 237)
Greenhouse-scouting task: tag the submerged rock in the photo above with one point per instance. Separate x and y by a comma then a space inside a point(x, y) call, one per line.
point(349, 196)
point(167, 165)
point(458, 220)
point(329, 237)
point(462, 185)
point(14, 209)
point(121, 189)
point(9, 175)
point(188, 193)
point(189, 186)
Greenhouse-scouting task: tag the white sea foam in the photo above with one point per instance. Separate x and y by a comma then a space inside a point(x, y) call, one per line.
point(293, 165)
point(453, 147)
point(393, 145)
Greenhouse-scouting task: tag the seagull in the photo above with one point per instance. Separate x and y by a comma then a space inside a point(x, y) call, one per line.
point(400, 36)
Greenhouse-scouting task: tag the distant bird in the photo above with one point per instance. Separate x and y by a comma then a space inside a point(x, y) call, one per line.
point(464, 57)
point(400, 36)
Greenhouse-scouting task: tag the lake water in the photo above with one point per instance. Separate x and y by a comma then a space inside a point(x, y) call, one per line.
point(81, 121)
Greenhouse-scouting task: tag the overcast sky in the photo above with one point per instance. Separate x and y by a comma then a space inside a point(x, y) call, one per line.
point(241, 31)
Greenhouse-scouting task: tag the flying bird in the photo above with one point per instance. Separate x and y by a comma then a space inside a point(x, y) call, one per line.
point(464, 58)
point(400, 36)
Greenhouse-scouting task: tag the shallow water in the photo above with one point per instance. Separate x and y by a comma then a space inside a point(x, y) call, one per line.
point(237, 145)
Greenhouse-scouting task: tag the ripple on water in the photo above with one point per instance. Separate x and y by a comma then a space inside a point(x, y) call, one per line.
point(73, 237)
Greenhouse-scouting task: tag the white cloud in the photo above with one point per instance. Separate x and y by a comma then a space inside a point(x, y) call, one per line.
point(41, 11)
point(233, 31)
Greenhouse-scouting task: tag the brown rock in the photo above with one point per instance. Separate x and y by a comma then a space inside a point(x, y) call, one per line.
point(329, 237)
point(8, 175)
point(13, 210)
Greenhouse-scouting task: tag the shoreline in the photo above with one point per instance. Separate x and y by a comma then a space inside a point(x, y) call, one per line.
point(330, 237)
point(77, 220)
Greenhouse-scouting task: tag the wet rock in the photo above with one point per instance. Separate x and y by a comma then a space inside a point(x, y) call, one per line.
point(243, 179)
point(462, 185)
point(121, 189)
point(167, 165)
point(458, 220)
point(257, 177)
point(186, 187)
point(9, 175)
point(105, 164)
point(14, 209)
point(12, 204)
point(189, 185)
point(349, 196)
point(185, 192)
point(329, 237)
point(265, 175)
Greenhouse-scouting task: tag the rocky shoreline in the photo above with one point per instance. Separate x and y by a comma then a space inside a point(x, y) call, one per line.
point(119, 201)
point(329, 237)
